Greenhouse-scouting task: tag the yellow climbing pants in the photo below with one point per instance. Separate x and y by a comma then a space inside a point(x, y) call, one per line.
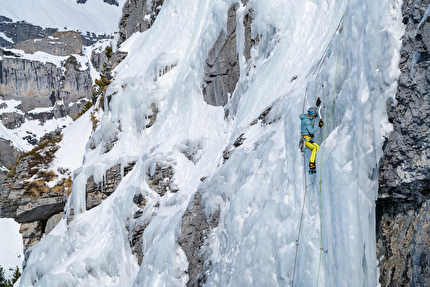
point(312, 146)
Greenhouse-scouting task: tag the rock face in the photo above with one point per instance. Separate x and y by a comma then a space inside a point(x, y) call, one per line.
point(58, 44)
point(195, 228)
point(21, 31)
point(138, 16)
point(222, 70)
point(38, 84)
point(8, 154)
point(39, 208)
point(403, 243)
point(32, 203)
point(97, 192)
point(105, 65)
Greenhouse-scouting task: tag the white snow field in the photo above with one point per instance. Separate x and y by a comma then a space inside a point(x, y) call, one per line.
point(93, 16)
point(11, 247)
point(260, 190)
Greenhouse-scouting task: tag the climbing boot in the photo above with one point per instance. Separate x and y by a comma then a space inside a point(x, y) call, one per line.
point(312, 168)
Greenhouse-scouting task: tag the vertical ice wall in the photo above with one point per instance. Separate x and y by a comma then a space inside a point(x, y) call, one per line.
point(259, 190)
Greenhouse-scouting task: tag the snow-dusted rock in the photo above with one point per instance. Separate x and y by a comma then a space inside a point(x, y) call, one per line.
point(59, 44)
point(137, 16)
point(222, 65)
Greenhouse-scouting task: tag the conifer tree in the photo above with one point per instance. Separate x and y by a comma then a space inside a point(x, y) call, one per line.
point(2, 279)
point(16, 275)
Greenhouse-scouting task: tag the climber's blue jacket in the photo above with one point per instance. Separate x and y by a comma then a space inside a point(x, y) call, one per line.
point(307, 125)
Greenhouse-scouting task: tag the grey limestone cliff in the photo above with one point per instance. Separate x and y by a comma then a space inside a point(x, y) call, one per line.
point(20, 31)
point(195, 229)
point(38, 84)
point(8, 154)
point(138, 16)
point(403, 229)
point(222, 70)
point(59, 44)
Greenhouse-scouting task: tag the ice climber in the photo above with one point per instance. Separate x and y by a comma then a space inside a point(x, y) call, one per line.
point(307, 132)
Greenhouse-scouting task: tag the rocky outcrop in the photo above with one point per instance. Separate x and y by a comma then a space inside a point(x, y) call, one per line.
point(8, 153)
point(31, 202)
point(160, 178)
point(403, 244)
point(98, 58)
point(136, 226)
point(222, 70)
point(21, 31)
point(195, 229)
point(38, 84)
point(58, 44)
point(104, 64)
point(137, 16)
point(17, 32)
point(12, 120)
point(39, 208)
point(114, 61)
point(97, 192)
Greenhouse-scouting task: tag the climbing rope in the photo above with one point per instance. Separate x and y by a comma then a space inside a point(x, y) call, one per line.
point(304, 197)
point(317, 68)
point(285, 216)
point(301, 219)
point(279, 237)
point(325, 138)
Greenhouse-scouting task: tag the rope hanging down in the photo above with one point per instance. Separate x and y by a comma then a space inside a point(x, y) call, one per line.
point(319, 64)
point(301, 219)
point(325, 138)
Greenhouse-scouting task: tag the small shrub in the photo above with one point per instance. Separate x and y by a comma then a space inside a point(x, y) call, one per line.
point(58, 189)
point(69, 184)
point(7, 282)
point(86, 107)
point(94, 120)
point(40, 157)
point(103, 82)
point(16, 276)
point(108, 52)
point(102, 103)
point(47, 175)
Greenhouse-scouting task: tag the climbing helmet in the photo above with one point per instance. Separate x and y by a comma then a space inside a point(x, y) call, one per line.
point(313, 111)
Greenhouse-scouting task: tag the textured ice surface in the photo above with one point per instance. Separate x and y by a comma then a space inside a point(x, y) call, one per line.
point(259, 190)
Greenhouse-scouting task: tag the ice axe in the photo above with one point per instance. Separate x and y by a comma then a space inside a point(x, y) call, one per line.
point(319, 111)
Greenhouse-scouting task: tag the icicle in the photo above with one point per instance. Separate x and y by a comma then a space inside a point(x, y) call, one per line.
point(426, 14)
point(79, 194)
point(240, 38)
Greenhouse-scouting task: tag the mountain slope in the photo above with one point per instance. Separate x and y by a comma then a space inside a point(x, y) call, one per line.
point(94, 16)
point(245, 164)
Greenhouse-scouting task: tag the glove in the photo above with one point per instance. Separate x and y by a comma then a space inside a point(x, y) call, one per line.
point(321, 123)
point(318, 102)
